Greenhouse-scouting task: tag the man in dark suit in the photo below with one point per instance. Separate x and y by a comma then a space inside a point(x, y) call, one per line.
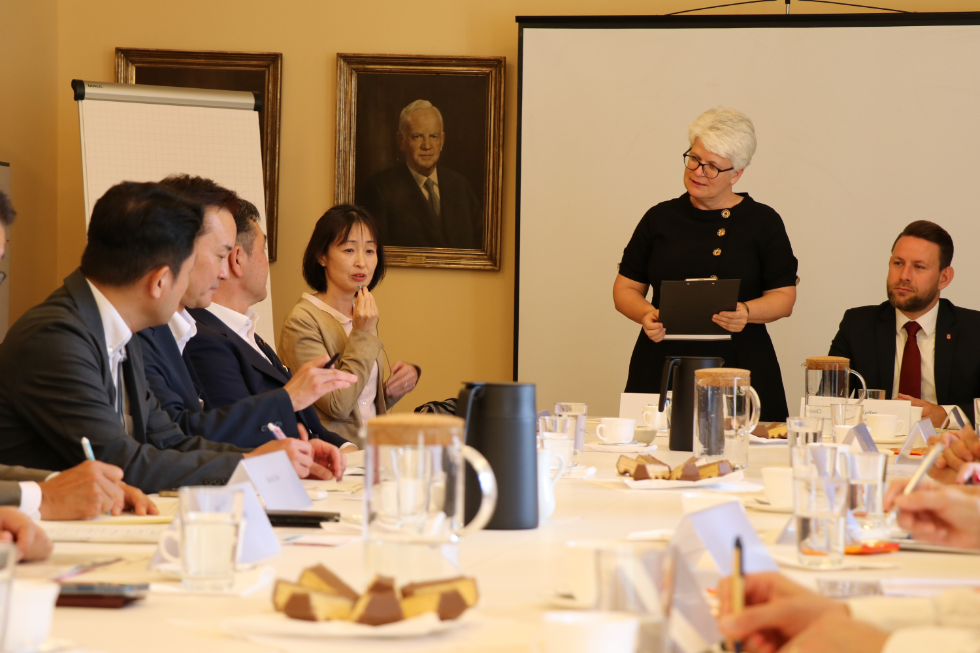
point(917, 346)
point(169, 371)
point(232, 362)
point(418, 204)
point(72, 369)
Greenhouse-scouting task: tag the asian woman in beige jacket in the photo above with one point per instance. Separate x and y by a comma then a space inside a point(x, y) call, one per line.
point(343, 263)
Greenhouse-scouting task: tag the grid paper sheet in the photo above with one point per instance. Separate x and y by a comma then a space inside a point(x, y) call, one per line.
point(129, 141)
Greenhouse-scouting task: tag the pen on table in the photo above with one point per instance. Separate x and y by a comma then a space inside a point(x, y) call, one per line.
point(738, 586)
point(276, 431)
point(87, 448)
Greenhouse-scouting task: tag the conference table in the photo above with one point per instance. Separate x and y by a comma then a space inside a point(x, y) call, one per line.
point(518, 573)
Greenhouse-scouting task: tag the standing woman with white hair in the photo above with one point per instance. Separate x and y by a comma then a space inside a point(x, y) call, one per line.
point(712, 231)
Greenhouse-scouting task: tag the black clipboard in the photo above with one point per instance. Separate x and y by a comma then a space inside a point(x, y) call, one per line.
point(686, 307)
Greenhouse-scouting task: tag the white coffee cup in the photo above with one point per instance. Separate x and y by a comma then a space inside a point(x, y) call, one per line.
point(884, 427)
point(779, 486)
point(590, 631)
point(840, 432)
point(615, 430)
point(653, 418)
point(31, 609)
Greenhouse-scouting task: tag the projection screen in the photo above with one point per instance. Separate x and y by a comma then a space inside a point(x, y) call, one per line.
point(864, 124)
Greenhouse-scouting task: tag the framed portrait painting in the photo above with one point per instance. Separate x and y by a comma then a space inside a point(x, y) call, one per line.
point(419, 145)
point(257, 72)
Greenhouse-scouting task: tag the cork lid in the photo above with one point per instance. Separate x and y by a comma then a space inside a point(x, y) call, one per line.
point(827, 362)
point(415, 429)
point(722, 376)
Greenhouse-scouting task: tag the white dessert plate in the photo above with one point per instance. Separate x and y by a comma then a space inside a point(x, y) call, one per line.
point(728, 483)
point(277, 624)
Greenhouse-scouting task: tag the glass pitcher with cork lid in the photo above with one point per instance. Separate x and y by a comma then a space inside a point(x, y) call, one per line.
point(726, 410)
point(828, 376)
point(413, 495)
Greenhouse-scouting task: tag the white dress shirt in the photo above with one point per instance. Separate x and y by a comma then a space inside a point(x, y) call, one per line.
point(184, 327)
point(926, 339)
point(420, 180)
point(365, 402)
point(948, 622)
point(117, 336)
point(243, 325)
point(30, 498)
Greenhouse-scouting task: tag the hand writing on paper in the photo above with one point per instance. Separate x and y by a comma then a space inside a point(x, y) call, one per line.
point(652, 326)
point(776, 610)
point(940, 514)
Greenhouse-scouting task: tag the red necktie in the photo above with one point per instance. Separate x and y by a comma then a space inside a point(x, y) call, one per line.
point(910, 378)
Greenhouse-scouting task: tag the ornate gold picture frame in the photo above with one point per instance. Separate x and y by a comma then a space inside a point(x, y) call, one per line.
point(258, 72)
point(378, 168)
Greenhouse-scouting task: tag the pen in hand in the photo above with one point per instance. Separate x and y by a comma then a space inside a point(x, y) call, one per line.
point(276, 431)
point(87, 449)
point(738, 589)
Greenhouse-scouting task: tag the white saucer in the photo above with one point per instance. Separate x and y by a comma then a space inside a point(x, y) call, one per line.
point(755, 504)
point(572, 468)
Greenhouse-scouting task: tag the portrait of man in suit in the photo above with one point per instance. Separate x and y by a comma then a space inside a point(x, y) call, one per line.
point(420, 147)
point(420, 203)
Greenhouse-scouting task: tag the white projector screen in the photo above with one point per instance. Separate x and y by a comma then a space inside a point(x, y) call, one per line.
point(864, 124)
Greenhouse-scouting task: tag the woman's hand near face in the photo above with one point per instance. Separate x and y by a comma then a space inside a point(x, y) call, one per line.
point(733, 321)
point(365, 311)
point(652, 326)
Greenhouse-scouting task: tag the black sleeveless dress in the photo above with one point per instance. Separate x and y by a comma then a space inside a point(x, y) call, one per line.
point(676, 241)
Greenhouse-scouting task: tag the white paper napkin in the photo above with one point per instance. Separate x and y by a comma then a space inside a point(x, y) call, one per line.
point(583, 472)
point(246, 583)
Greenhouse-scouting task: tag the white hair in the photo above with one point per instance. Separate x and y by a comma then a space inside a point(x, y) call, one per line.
point(418, 105)
point(727, 133)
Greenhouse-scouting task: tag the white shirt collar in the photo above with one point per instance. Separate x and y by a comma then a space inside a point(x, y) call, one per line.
point(420, 179)
point(184, 327)
point(117, 333)
point(243, 325)
point(927, 321)
point(329, 310)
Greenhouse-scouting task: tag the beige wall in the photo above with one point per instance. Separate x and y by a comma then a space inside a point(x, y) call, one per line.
point(456, 325)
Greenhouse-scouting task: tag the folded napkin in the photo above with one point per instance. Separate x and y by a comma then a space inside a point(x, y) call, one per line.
point(638, 447)
point(246, 583)
point(584, 472)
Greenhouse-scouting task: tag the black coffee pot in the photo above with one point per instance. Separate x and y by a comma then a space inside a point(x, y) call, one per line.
point(681, 370)
point(501, 423)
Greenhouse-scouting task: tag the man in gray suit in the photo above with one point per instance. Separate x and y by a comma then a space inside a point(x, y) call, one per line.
point(83, 492)
point(73, 370)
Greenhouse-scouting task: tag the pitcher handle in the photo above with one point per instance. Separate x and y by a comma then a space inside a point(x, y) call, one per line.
point(755, 412)
point(488, 487)
point(864, 385)
point(561, 468)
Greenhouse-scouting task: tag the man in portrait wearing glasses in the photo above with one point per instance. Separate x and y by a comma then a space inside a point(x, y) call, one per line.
point(419, 203)
point(917, 346)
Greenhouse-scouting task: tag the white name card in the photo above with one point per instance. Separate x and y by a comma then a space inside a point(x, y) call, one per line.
point(275, 480)
point(715, 529)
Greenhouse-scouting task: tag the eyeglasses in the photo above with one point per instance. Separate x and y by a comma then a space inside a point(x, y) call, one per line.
point(710, 171)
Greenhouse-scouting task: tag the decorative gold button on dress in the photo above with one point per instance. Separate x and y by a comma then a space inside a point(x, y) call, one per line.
point(721, 232)
point(717, 252)
point(726, 213)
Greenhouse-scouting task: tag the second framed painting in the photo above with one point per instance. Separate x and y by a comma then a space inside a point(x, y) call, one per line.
point(420, 145)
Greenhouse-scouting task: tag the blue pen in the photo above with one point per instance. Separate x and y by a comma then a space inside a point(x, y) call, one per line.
point(87, 448)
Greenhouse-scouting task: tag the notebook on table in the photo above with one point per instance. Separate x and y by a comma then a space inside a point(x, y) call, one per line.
point(686, 307)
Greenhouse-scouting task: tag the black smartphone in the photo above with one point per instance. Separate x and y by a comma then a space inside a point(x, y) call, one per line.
point(300, 518)
point(333, 360)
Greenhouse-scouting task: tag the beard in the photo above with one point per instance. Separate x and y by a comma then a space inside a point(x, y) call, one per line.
point(914, 303)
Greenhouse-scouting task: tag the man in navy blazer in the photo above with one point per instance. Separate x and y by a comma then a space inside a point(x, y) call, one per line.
point(171, 374)
point(420, 204)
point(233, 364)
point(917, 346)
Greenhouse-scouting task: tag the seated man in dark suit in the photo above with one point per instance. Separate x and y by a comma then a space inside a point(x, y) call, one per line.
point(73, 370)
point(917, 346)
point(417, 204)
point(170, 373)
point(232, 362)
